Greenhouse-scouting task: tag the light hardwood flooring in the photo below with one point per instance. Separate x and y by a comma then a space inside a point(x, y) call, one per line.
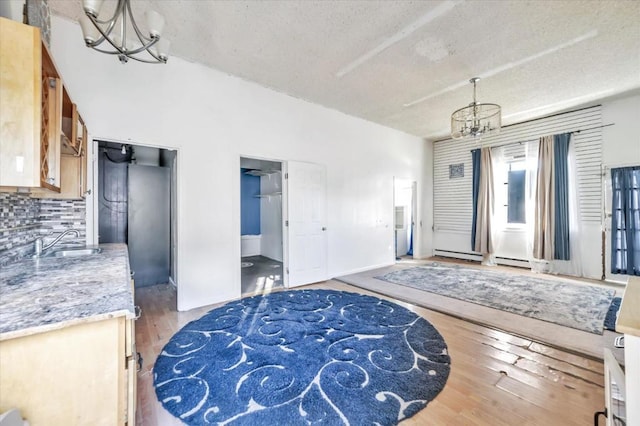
point(496, 378)
point(569, 339)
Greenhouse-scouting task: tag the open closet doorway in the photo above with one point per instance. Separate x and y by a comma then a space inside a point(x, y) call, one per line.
point(137, 206)
point(405, 210)
point(261, 225)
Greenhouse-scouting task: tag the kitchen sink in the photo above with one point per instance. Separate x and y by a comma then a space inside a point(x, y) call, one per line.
point(75, 252)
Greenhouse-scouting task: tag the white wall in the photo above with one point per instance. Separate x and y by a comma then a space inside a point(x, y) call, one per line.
point(423, 241)
point(213, 119)
point(271, 217)
point(621, 147)
point(12, 9)
point(621, 142)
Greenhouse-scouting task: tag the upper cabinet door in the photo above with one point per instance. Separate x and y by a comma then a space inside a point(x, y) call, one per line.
point(20, 103)
point(307, 216)
point(31, 101)
point(51, 130)
point(77, 141)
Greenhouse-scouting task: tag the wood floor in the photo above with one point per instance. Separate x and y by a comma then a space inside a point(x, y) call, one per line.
point(496, 378)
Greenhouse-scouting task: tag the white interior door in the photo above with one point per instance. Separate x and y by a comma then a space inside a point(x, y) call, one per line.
point(307, 248)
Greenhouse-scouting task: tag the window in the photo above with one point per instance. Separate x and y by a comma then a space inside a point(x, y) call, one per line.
point(513, 176)
point(515, 197)
point(625, 221)
point(516, 192)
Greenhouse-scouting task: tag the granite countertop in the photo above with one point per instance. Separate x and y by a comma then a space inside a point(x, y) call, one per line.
point(49, 293)
point(629, 316)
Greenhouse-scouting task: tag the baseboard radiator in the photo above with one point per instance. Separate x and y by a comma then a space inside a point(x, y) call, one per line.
point(507, 261)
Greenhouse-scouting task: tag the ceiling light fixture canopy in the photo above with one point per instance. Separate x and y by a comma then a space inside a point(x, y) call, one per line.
point(475, 119)
point(113, 31)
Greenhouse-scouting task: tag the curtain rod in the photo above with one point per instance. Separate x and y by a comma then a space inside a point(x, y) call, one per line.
point(552, 115)
point(617, 166)
point(533, 140)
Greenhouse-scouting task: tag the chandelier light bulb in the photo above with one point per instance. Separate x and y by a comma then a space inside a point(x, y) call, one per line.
point(89, 31)
point(155, 21)
point(163, 48)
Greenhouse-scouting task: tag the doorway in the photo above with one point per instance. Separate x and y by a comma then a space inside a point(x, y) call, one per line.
point(136, 201)
point(261, 225)
point(405, 210)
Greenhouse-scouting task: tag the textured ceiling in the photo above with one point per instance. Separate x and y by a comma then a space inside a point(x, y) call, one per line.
point(406, 64)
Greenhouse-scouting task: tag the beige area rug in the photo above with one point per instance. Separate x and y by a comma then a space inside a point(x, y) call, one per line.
point(578, 341)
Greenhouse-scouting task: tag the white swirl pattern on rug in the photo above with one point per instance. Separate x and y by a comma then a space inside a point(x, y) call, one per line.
point(302, 357)
point(576, 305)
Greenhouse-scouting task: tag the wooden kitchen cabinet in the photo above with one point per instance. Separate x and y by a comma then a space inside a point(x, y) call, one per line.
point(76, 375)
point(67, 347)
point(50, 128)
point(20, 103)
point(34, 104)
point(628, 322)
point(132, 368)
point(78, 142)
point(73, 179)
point(73, 160)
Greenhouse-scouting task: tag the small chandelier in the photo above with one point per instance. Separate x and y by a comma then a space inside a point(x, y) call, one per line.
point(113, 31)
point(476, 119)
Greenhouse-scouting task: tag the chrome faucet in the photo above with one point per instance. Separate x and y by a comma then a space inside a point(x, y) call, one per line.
point(39, 244)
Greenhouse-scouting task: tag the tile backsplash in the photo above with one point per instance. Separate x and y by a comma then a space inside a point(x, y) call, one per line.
point(59, 215)
point(23, 219)
point(19, 223)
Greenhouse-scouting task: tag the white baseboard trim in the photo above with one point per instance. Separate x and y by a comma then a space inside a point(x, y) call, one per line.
point(513, 262)
point(457, 255)
point(477, 257)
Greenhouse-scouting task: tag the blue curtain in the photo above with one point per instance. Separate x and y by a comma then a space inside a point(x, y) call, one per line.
point(625, 221)
point(561, 188)
point(475, 160)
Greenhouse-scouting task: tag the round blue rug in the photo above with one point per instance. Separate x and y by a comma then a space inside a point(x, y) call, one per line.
point(301, 357)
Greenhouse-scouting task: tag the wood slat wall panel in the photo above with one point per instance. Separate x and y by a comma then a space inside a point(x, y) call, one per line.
point(452, 197)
